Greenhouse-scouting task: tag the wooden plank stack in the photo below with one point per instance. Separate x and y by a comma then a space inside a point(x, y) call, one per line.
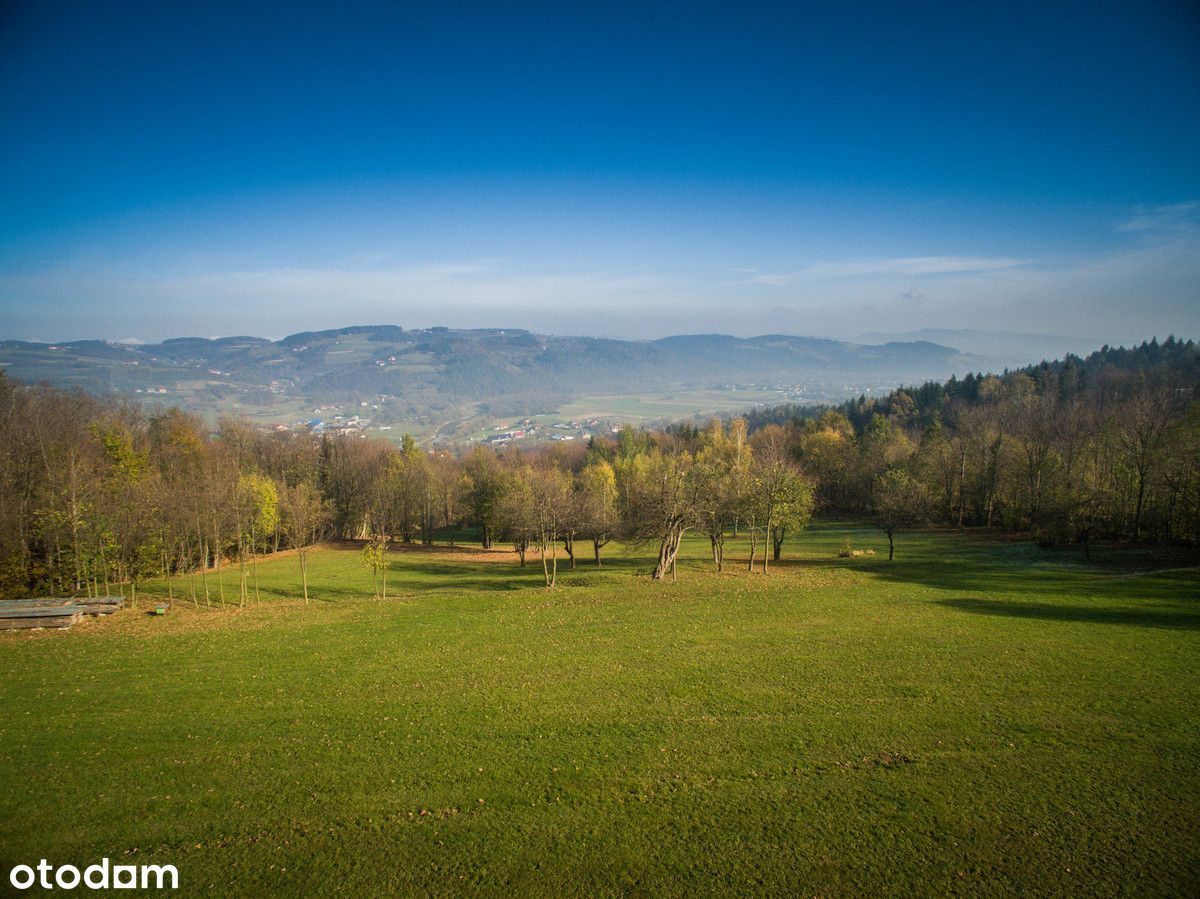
point(53, 611)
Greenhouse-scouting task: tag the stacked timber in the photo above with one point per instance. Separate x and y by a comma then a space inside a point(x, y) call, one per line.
point(100, 605)
point(53, 611)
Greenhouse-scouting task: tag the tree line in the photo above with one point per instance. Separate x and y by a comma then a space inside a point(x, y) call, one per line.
point(98, 494)
point(1066, 451)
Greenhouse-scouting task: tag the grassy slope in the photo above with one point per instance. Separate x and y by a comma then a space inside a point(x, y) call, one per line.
point(974, 718)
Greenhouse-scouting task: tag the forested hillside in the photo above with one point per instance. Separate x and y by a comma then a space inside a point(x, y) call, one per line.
point(1105, 444)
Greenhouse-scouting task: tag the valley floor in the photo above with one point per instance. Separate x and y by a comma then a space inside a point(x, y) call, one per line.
point(975, 718)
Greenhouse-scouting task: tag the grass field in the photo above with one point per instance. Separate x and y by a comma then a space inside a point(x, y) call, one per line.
point(975, 718)
point(677, 403)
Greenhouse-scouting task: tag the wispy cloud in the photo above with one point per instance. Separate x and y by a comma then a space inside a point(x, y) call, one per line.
point(904, 265)
point(455, 285)
point(1173, 219)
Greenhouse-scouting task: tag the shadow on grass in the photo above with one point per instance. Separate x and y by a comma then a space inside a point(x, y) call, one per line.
point(946, 562)
point(433, 576)
point(1176, 620)
point(410, 576)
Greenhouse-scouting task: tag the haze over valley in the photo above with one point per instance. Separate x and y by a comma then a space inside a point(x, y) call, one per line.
point(463, 384)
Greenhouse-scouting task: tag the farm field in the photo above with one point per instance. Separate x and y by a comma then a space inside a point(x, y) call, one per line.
point(681, 402)
point(977, 717)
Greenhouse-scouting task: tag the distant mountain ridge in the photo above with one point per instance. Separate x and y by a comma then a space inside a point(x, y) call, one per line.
point(1006, 349)
point(434, 371)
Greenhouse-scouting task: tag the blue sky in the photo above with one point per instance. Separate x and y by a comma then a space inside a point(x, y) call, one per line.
point(618, 169)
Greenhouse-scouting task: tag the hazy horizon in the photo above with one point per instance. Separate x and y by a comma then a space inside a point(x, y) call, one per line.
point(945, 336)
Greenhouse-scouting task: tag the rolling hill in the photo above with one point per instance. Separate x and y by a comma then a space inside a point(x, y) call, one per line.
point(448, 383)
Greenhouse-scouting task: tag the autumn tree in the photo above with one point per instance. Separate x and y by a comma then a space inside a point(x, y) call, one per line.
point(483, 492)
point(258, 515)
point(722, 475)
point(516, 515)
point(374, 558)
point(898, 501)
point(596, 505)
point(549, 511)
point(658, 502)
point(785, 496)
point(303, 519)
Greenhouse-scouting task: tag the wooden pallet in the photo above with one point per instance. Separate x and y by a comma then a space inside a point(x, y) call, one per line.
point(52, 611)
point(100, 605)
point(44, 616)
point(91, 605)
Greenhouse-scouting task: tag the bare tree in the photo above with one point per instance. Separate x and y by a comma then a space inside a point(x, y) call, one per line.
point(550, 496)
point(303, 518)
point(1144, 422)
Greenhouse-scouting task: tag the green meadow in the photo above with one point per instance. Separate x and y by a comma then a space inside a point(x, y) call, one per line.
point(976, 718)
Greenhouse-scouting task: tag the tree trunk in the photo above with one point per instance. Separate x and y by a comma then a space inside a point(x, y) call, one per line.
point(204, 573)
point(1137, 513)
point(217, 563)
point(241, 574)
point(304, 573)
point(962, 478)
point(191, 573)
point(254, 569)
point(667, 551)
point(891, 546)
point(718, 548)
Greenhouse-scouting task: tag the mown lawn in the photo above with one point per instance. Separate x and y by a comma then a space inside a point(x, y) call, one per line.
point(975, 718)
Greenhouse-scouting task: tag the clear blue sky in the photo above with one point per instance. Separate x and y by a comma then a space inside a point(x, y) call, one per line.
point(626, 169)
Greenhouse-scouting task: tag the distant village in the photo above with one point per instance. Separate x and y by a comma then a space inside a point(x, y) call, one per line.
point(360, 417)
point(566, 430)
point(355, 420)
